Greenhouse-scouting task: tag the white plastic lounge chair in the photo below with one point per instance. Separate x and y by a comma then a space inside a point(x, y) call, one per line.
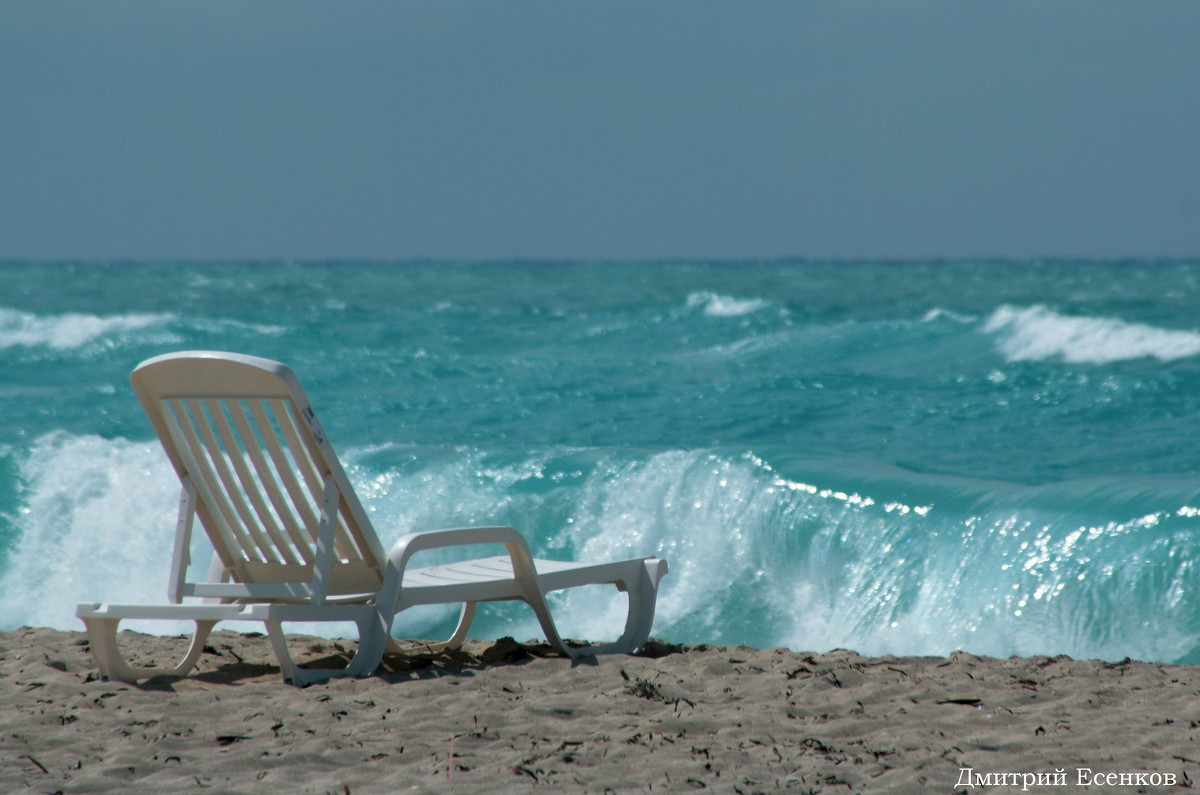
point(291, 541)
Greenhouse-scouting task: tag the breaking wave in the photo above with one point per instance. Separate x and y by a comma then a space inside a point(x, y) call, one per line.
point(813, 558)
point(1038, 333)
point(75, 331)
point(69, 331)
point(714, 305)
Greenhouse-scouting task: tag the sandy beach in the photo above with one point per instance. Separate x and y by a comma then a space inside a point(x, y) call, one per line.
point(502, 716)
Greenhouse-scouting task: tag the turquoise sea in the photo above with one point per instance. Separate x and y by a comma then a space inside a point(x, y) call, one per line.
point(908, 458)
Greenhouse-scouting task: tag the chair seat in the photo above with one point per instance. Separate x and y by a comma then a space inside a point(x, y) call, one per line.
point(491, 579)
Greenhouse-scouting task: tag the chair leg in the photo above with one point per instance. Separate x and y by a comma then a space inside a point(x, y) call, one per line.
point(374, 639)
point(641, 587)
point(643, 598)
point(287, 667)
point(102, 636)
point(464, 626)
point(537, 601)
point(642, 590)
point(364, 662)
point(455, 641)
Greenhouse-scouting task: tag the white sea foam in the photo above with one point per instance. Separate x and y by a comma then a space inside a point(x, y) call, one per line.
point(1038, 333)
point(222, 326)
point(715, 305)
point(938, 313)
point(95, 525)
point(69, 331)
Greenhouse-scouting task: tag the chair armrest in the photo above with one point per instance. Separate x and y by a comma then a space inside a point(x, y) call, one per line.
point(409, 545)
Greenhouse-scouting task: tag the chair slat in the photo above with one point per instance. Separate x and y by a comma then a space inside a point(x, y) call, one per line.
point(302, 449)
point(228, 483)
point(301, 455)
point(238, 545)
point(249, 427)
point(345, 542)
point(285, 468)
point(236, 449)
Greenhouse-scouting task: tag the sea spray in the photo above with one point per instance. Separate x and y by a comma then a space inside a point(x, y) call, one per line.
point(91, 527)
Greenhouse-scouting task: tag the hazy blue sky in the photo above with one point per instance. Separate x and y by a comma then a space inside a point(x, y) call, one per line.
point(548, 129)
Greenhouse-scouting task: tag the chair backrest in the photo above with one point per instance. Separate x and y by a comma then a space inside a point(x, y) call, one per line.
point(241, 432)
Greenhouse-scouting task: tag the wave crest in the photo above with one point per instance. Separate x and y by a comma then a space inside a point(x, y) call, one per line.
point(714, 305)
point(70, 331)
point(1037, 333)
